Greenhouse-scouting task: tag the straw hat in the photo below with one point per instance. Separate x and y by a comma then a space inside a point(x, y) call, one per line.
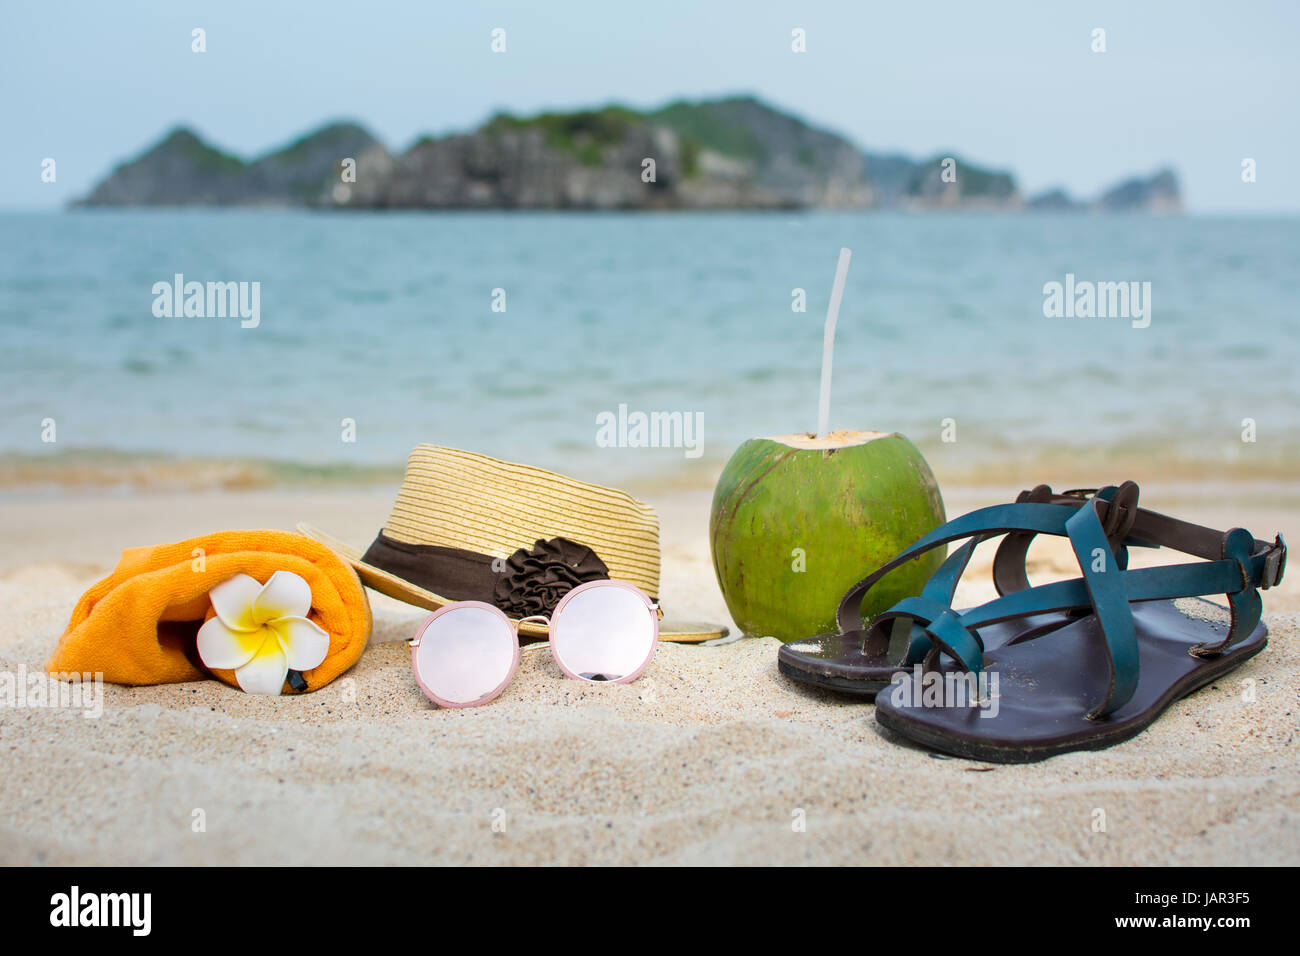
point(458, 513)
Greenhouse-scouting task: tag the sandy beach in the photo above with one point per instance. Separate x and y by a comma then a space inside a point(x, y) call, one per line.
point(711, 758)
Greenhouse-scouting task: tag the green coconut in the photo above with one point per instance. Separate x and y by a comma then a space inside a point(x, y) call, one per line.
point(798, 520)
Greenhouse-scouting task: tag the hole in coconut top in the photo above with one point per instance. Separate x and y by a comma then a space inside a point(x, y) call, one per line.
point(843, 438)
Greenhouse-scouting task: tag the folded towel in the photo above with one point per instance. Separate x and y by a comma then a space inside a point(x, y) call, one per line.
point(139, 624)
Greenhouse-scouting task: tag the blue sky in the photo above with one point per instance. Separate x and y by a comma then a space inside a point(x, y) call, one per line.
point(1199, 86)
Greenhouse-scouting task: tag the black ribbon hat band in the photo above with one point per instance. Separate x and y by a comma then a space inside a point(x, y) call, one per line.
point(529, 582)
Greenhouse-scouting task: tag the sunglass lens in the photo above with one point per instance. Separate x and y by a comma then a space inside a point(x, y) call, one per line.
point(604, 633)
point(465, 656)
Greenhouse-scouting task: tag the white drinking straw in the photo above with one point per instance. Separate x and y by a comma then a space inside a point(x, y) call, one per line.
point(828, 342)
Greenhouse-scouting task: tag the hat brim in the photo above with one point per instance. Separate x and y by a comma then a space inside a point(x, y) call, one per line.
point(385, 582)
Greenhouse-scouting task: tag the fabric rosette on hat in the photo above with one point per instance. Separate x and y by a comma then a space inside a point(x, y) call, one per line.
point(533, 581)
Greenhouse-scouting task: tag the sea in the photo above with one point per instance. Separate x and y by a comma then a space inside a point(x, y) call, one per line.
point(623, 347)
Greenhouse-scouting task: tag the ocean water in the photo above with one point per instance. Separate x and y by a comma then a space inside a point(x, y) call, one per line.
point(388, 321)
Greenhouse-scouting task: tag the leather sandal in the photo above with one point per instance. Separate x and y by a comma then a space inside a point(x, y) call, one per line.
point(862, 661)
point(1141, 639)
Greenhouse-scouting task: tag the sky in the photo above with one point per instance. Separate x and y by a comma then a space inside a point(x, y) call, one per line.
point(1198, 86)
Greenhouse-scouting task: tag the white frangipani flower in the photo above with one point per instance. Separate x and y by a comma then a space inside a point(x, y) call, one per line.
point(261, 632)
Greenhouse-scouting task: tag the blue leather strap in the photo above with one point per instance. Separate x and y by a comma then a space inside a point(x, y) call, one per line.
point(939, 590)
point(1100, 530)
point(998, 519)
point(1009, 573)
point(1244, 604)
point(1140, 584)
point(943, 583)
point(943, 629)
point(1105, 583)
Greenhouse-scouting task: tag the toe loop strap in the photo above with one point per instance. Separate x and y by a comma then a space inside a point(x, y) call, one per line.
point(940, 628)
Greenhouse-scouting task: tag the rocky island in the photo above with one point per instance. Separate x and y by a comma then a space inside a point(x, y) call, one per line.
point(734, 153)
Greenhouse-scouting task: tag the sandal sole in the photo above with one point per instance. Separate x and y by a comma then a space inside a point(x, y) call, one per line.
point(972, 748)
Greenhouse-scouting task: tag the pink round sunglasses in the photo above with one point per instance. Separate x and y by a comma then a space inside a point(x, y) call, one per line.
point(464, 654)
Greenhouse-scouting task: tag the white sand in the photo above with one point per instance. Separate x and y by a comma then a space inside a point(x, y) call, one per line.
point(708, 759)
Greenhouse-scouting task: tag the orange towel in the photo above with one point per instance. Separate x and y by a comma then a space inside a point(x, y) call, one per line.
point(138, 625)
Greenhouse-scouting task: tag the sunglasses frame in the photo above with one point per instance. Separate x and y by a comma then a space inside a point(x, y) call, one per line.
point(652, 609)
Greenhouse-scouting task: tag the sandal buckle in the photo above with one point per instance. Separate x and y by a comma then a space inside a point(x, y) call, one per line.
point(1274, 563)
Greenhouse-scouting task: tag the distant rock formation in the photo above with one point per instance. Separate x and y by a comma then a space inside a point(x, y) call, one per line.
point(1158, 193)
point(307, 170)
point(891, 176)
point(734, 153)
point(785, 159)
point(1054, 200)
point(580, 161)
point(182, 170)
point(944, 183)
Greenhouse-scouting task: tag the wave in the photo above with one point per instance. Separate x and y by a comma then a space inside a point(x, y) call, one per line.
point(646, 472)
point(106, 469)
